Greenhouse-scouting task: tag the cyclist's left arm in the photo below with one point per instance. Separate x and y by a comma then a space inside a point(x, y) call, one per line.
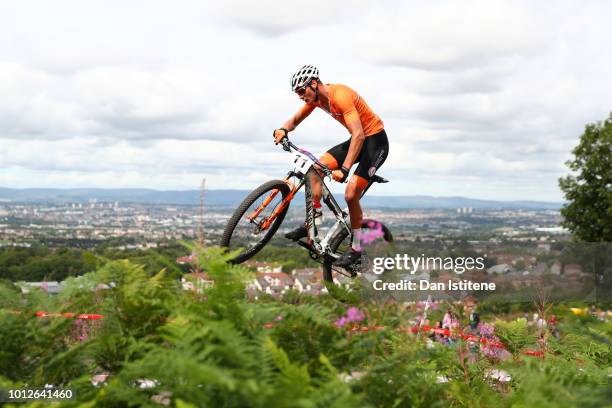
point(291, 123)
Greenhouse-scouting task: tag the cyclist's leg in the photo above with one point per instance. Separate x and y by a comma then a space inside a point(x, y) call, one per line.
point(331, 162)
point(373, 154)
point(352, 193)
point(332, 159)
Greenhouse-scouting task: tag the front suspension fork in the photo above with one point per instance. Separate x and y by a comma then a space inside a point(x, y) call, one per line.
point(266, 222)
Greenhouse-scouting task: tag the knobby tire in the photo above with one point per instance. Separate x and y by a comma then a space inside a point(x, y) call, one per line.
point(239, 213)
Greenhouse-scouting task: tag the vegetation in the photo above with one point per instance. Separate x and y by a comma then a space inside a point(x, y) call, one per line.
point(160, 345)
point(588, 191)
point(290, 258)
point(40, 262)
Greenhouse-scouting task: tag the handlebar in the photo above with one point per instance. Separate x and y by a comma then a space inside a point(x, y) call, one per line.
point(288, 145)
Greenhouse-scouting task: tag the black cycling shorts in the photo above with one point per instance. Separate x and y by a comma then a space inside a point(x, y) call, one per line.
point(373, 154)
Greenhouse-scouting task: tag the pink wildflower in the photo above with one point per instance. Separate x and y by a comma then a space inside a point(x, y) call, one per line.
point(368, 236)
point(486, 330)
point(354, 315)
point(341, 322)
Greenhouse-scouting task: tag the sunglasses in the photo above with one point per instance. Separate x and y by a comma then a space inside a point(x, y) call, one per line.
point(301, 91)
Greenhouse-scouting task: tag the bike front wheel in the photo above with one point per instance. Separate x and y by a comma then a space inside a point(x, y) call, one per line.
point(256, 220)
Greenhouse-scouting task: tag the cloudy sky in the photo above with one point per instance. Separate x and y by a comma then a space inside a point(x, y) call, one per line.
point(484, 99)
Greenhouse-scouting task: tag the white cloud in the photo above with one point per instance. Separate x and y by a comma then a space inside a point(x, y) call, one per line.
point(272, 18)
point(484, 98)
point(455, 36)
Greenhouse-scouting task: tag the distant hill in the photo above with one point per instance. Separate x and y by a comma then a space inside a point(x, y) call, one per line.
point(128, 195)
point(232, 198)
point(455, 202)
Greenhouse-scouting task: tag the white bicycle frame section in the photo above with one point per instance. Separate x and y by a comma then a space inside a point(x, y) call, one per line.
point(302, 164)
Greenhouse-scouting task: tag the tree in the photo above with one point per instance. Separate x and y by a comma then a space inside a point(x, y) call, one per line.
point(588, 214)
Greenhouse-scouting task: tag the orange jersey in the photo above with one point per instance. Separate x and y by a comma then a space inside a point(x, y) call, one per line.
point(346, 105)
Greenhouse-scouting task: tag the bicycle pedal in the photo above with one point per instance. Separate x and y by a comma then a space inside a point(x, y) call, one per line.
point(361, 266)
point(355, 268)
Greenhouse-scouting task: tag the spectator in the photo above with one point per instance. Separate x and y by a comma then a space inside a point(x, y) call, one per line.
point(450, 320)
point(552, 326)
point(474, 319)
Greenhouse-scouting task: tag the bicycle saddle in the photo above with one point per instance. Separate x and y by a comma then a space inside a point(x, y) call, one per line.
point(378, 179)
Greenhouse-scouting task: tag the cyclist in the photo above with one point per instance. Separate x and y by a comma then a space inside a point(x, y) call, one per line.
point(368, 146)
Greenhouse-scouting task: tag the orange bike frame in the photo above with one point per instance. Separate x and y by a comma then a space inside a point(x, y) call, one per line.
point(278, 210)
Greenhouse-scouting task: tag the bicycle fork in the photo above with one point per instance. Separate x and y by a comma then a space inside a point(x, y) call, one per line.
point(266, 222)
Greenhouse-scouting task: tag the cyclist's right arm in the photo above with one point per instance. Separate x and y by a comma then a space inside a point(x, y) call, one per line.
point(293, 121)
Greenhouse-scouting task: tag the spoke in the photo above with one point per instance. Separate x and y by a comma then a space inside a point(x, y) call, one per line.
point(249, 231)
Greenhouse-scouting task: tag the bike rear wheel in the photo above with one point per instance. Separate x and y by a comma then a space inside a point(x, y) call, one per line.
point(246, 229)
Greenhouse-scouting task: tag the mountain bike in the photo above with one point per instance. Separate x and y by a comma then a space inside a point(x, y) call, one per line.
point(258, 217)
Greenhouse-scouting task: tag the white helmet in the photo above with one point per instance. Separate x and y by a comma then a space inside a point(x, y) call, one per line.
point(303, 77)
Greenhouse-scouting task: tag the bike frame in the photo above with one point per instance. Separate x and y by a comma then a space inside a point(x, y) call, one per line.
point(306, 166)
point(321, 246)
